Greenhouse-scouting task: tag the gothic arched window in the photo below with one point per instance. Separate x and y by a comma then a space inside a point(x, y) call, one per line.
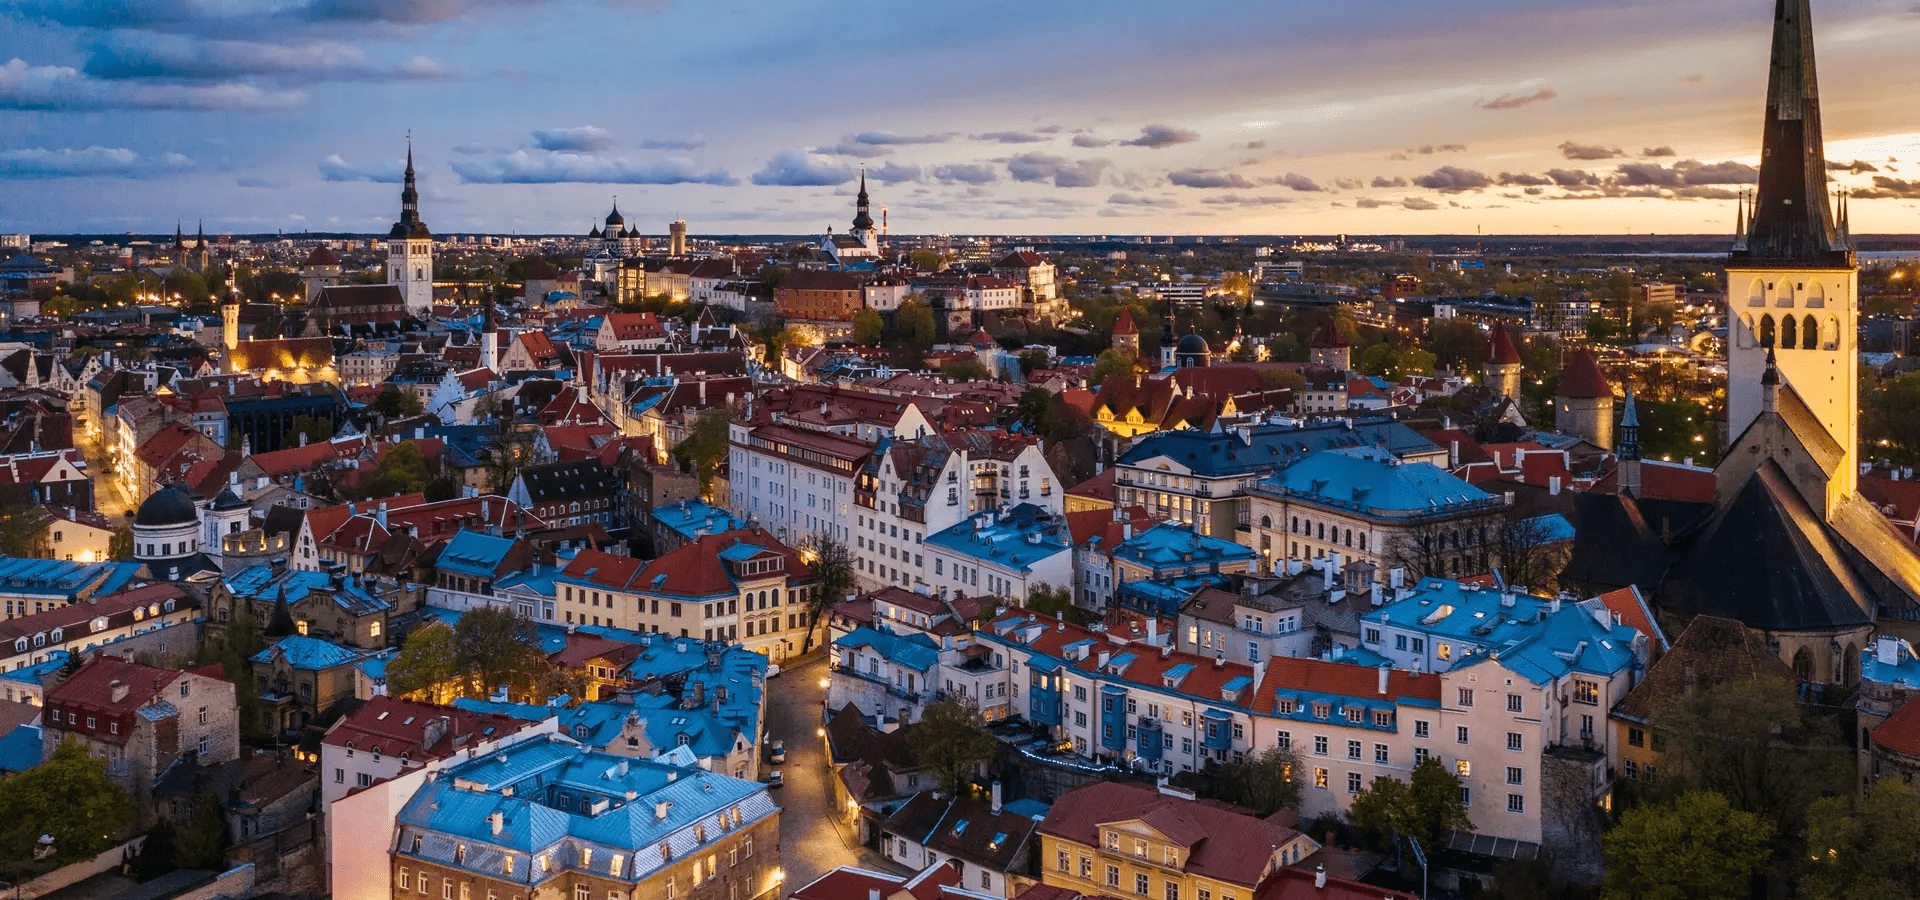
point(1789, 328)
point(1766, 331)
point(1810, 335)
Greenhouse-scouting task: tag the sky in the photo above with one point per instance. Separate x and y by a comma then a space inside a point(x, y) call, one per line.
point(1115, 117)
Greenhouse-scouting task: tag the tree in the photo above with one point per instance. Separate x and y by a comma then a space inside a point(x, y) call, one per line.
point(427, 664)
point(915, 319)
point(950, 742)
point(1458, 343)
point(927, 260)
point(1864, 846)
point(705, 446)
point(1424, 808)
point(395, 403)
point(965, 370)
point(315, 431)
point(1528, 550)
point(1110, 364)
point(1047, 599)
point(201, 841)
point(1694, 847)
point(1439, 548)
point(401, 470)
point(1263, 782)
point(496, 649)
point(832, 563)
point(156, 853)
point(22, 530)
point(868, 327)
point(238, 641)
point(505, 455)
point(1749, 741)
point(68, 796)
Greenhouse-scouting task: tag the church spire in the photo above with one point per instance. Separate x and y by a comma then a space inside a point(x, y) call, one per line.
point(862, 220)
point(409, 224)
point(1793, 224)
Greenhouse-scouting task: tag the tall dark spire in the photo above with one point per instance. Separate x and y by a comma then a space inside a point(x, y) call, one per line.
point(409, 224)
point(1793, 224)
point(1629, 444)
point(862, 221)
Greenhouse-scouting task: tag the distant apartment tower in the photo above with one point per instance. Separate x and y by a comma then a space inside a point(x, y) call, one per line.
point(1648, 294)
point(677, 238)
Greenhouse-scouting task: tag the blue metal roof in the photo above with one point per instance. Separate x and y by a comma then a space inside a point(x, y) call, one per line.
point(260, 583)
point(1171, 545)
point(21, 748)
point(915, 651)
point(312, 653)
point(40, 672)
point(1372, 481)
point(1211, 454)
point(1903, 671)
point(474, 553)
point(1027, 535)
point(61, 578)
point(1571, 640)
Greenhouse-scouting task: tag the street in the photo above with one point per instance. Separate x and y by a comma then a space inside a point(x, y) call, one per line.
point(813, 841)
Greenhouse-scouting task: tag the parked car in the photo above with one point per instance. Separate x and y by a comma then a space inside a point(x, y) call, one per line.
point(777, 753)
point(774, 780)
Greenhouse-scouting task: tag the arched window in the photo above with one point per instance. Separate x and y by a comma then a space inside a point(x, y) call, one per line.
point(1266, 521)
point(1757, 293)
point(1789, 332)
point(1810, 335)
point(1766, 331)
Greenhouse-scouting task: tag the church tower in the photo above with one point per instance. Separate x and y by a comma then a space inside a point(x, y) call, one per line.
point(200, 254)
point(1792, 280)
point(489, 340)
point(863, 229)
point(1503, 364)
point(410, 250)
point(1628, 451)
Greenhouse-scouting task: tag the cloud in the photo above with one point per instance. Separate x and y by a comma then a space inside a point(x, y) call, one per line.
point(1705, 193)
point(1662, 150)
point(1139, 200)
point(1573, 178)
point(1246, 200)
point(691, 143)
point(1370, 203)
point(1348, 184)
point(797, 169)
point(65, 88)
point(888, 138)
point(1431, 149)
point(1572, 150)
point(1885, 188)
point(1297, 182)
point(1157, 136)
point(336, 168)
point(853, 149)
point(1010, 137)
point(1419, 204)
point(581, 139)
point(1684, 172)
point(90, 162)
point(894, 173)
point(1208, 178)
point(129, 55)
point(534, 166)
point(1515, 101)
point(1452, 179)
point(1509, 179)
point(260, 181)
point(1062, 171)
point(967, 173)
point(1857, 167)
point(1382, 181)
point(1089, 141)
point(1695, 79)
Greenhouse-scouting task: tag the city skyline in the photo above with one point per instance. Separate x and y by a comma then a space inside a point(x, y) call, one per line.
point(1236, 118)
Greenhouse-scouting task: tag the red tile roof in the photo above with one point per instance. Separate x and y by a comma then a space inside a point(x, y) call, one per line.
point(1581, 379)
point(1286, 674)
point(1634, 613)
point(581, 648)
point(393, 727)
point(1123, 324)
point(1502, 352)
point(1297, 884)
point(1223, 845)
point(1900, 732)
point(696, 570)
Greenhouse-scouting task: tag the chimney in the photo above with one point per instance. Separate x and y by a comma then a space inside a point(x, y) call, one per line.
point(118, 689)
point(660, 808)
point(1153, 630)
point(1383, 679)
point(436, 728)
point(1320, 878)
point(381, 515)
point(873, 894)
point(1553, 485)
point(497, 819)
point(996, 798)
point(303, 439)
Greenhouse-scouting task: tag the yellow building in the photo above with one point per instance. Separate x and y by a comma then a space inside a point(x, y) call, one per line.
point(1117, 839)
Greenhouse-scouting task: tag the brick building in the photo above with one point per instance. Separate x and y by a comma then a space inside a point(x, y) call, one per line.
point(142, 719)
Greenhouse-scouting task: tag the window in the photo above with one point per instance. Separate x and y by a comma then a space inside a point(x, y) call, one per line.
point(1586, 692)
point(1380, 754)
point(1516, 803)
point(1353, 782)
point(1173, 890)
point(1419, 755)
point(1460, 734)
point(1514, 775)
point(363, 779)
point(1636, 737)
point(1060, 860)
point(1466, 696)
point(1382, 718)
point(1354, 714)
point(203, 715)
point(1320, 745)
point(339, 776)
point(1514, 703)
point(1113, 876)
point(1353, 749)
point(1420, 728)
point(1632, 769)
point(1466, 795)
point(405, 882)
point(1463, 768)
point(1513, 740)
point(1086, 868)
point(1140, 883)
point(1320, 778)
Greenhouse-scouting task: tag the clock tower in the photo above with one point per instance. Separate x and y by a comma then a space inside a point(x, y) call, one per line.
point(410, 250)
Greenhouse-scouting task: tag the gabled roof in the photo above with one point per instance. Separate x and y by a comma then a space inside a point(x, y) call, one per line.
point(1710, 650)
point(396, 727)
point(1581, 378)
point(1224, 845)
